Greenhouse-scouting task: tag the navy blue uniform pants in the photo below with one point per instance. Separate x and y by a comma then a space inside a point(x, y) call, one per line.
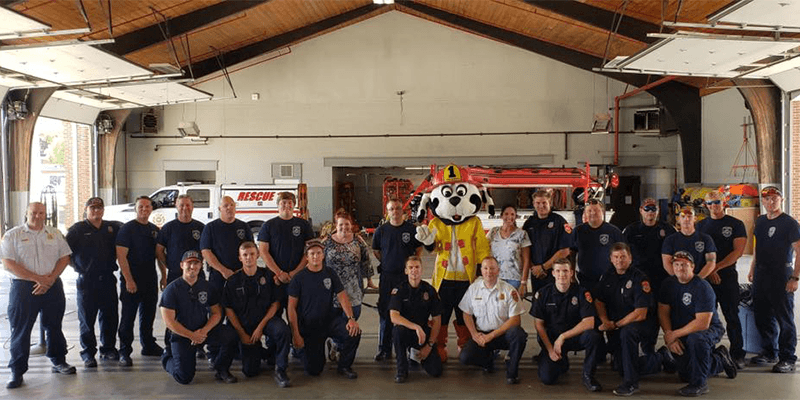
point(144, 301)
point(404, 339)
point(698, 362)
point(278, 337)
point(727, 293)
point(97, 297)
point(386, 284)
point(180, 359)
point(314, 350)
point(624, 344)
point(23, 308)
point(215, 280)
point(772, 303)
point(513, 340)
point(550, 370)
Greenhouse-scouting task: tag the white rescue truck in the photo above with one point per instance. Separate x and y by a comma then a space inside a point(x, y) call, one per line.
point(255, 203)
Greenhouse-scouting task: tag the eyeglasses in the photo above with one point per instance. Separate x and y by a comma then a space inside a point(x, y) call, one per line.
point(713, 202)
point(593, 202)
point(650, 208)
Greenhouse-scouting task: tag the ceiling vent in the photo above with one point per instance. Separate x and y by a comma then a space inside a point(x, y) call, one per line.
point(149, 121)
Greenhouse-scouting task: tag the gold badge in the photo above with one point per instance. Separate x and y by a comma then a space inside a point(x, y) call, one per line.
point(425, 296)
point(502, 296)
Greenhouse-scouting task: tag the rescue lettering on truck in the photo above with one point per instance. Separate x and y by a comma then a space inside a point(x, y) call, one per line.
point(255, 196)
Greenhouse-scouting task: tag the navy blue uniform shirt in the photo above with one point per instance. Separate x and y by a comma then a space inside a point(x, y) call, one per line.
point(249, 296)
point(593, 248)
point(416, 304)
point(548, 235)
point(723, 231)
point(224, 239)
point(314, 292)
point(178, 237)
point(697, 244)
point(686, 300)
point(774, 238)
point(646, 242)
point(192, 304)
point(624, 293)
point(396, 244)
point(141, 243)
point(562, 311)
point(287, 240)
point(94, 250)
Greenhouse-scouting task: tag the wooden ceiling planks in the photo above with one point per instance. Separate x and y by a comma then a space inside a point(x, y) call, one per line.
point(265, 21)
point(694, 11)
point(126, 15)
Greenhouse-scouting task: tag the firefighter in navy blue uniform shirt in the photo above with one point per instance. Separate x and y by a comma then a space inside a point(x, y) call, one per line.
point(416, 318)
point(177, 237)
point(624, 302)
point(593, 241)
point(392, 243)
point(35, 255)
point(730, 239)
point(219, 244)
point(564, 318)
point(94, 257)
point(492, 309)
point(687, 311)
point(191, 310)
point(136, 255)
point(252, 310)
point(645, 239)
point(313, 318)
point(281, 242)
point(551, 239)
point(689, 239)
point(775, 282)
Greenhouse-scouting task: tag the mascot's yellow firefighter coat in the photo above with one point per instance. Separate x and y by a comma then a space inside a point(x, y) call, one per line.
point(470, 244)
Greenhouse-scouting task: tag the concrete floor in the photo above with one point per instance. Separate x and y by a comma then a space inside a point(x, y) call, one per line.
point(148, 380)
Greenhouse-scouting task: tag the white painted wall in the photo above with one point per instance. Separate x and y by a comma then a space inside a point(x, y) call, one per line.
point(345, 83)
point(723, 116)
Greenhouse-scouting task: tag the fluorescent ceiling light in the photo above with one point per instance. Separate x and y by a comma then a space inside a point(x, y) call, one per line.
point(778, 13)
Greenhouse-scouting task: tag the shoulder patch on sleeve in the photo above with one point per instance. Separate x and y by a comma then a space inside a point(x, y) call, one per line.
point(515, 296)
point(567, 228)
point(588, 296)
point(646, 286)
point(536, 295)
point(394, 291)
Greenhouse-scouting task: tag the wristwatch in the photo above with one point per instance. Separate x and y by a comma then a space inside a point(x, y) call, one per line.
point(794, 278)
point(431, 344)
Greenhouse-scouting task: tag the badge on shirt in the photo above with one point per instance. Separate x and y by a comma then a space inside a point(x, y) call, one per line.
point(687, 299)
point(567, 228)
point(240, 233)
point(154, 234)
point(425, 296)
point(575, 300)
point(202, 297)
point(262, 281)
point(662, 233)
point(727, 231)
point(588, 297)
point(646, 286)
point(629, 284)
point(699, 246)
point(110, 229)
point(49, 236)
point(515, 296)
point(502, 296)
point(406, 237)
point(394, 292)
point(327, 283)
point(604, 239)
point(550, 225)
point(296, 230)
point(196, 234)
point(771, 231)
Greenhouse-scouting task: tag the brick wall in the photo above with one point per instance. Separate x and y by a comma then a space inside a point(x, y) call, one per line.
point(794, 207)
point(68, 217)
point(83, 158)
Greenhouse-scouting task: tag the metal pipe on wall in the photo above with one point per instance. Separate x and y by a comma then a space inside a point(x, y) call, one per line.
point(5, 170)
point(95, 160)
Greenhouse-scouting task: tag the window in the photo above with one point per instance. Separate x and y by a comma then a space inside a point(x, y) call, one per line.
point(164, 199)
point(200, 197)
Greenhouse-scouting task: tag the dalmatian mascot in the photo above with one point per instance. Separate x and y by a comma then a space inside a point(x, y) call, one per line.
point(456, 235)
